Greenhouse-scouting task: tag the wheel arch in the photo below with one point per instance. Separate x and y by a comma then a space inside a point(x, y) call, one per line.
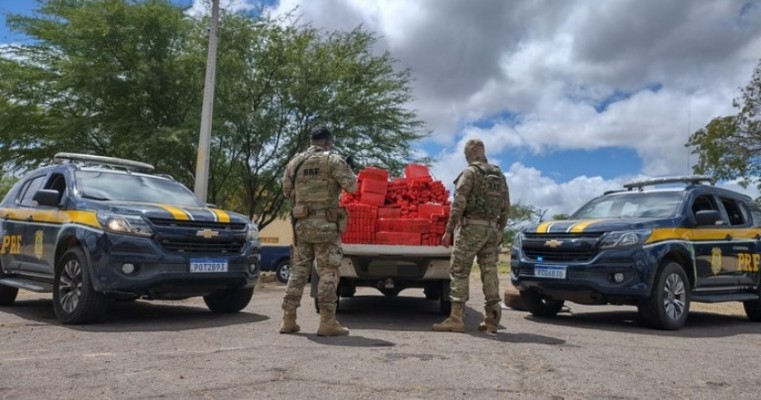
point(682, 257)
point(76, 237)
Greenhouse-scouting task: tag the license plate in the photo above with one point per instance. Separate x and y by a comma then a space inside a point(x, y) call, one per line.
point(208, 265)
point(550, 271)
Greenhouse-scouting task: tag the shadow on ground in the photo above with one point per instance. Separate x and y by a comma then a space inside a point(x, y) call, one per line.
point(137, 316)
point(700, 324)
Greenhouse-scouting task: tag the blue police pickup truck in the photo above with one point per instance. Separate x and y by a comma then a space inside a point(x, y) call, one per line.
point(91, 228)
point(653, 246)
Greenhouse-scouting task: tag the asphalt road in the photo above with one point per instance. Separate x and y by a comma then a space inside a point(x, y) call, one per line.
point(168, 350)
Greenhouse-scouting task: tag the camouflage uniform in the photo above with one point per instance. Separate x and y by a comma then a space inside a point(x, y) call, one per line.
point(316, 185)
point(480, 208)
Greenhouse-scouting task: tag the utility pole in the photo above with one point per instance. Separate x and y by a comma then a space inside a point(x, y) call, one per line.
point(204, 140)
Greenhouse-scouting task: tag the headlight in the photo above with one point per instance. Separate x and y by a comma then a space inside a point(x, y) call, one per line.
point(253, 233)
point(518, 241)
point(625, 238)
point(124, 224)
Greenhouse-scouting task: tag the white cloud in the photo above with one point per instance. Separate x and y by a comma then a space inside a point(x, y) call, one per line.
point(203, 7)
point(673, 65)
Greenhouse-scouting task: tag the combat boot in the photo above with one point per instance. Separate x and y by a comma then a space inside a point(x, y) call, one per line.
point(329, 326)
point(288, 324)
point(455, 321)
point(492, 315)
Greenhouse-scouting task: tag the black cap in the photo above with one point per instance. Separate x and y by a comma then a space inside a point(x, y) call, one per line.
point(321, 132)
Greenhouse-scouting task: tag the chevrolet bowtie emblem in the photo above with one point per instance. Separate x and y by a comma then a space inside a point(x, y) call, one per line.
point(207, 233)
point(553, 243)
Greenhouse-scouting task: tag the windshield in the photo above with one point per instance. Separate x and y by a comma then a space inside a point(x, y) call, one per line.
point(632, 205)
point(105, 185)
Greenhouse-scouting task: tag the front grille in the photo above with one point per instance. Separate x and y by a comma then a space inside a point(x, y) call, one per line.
point(220, 226)
point(567, 247)
point(203, 246)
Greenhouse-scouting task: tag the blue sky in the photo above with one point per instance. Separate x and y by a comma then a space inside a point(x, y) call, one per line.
point(571, 98)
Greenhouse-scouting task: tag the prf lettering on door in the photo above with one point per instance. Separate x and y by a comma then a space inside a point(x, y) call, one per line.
point(11, 244)
point(747, 262)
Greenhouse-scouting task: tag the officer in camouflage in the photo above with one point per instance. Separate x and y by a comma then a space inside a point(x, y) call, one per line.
point(313, 180)
point(478, 218)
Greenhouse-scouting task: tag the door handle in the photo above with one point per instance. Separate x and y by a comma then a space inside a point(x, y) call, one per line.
point(728, 238)
point(29, 219)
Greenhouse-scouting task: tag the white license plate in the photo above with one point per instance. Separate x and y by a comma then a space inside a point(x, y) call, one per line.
point(550, 271)
point(208, 265)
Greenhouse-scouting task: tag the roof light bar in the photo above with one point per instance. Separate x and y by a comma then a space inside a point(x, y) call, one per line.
point(101, 160)
point(687, 179)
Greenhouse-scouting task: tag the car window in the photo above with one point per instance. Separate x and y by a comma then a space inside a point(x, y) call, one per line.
point(734, 210)
point(57, 182)
point(34, 185)
point(115, 186)
point(702, 203)
point(632, 205)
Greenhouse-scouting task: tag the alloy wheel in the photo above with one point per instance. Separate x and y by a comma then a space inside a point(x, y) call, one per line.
point(70, 287)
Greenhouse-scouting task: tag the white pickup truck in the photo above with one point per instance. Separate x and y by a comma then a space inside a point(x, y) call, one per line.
point(393, 268)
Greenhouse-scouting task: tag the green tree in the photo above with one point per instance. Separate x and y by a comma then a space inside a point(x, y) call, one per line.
point(520, 216)
point(299, 76)
point(124, 78)
point(560, 217)
point(105, 77)
point(729, 147)
point(6, 183)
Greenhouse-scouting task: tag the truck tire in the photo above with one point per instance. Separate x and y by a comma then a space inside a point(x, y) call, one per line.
point(75, 301)
point(668, 306)
point(445, 305)
point(539, 305)
point(432, 292)
point(347, 290)
point(7, 295)
point(283, 271)
point(753, 308)
point(229, 301)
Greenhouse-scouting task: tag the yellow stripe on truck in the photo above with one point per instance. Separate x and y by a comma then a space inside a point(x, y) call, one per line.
point(702, 234)
point(177, 213)
point(580, 226)
point(543, 227)
point(88, 218)
point(222, 216)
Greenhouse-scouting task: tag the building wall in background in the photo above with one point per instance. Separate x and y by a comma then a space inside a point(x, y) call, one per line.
point(277, 233)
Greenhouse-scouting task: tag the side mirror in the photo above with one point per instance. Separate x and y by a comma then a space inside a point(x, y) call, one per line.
point(707, 217)
point(47, 197)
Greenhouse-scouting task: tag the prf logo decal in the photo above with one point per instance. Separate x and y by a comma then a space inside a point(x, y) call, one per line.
point(11, 244)
point(747, 262)
point(715, 260)
point(38, 244)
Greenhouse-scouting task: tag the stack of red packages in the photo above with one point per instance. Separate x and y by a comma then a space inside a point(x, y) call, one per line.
point(406, 211)
point(360, 227)
point(373, 186)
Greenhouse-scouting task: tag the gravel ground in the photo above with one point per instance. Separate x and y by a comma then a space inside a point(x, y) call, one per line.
point(180, 350)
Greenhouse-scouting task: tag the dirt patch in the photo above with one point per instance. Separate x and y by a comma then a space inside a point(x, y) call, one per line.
point(731, 308)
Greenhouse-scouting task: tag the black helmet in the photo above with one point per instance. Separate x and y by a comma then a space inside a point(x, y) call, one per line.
point(321, 132)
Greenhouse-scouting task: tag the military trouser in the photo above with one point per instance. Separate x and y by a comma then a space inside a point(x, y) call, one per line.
point(480, 242)
point(327, 255)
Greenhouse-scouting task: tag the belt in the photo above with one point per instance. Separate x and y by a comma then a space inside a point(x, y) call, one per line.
point(479, 222)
